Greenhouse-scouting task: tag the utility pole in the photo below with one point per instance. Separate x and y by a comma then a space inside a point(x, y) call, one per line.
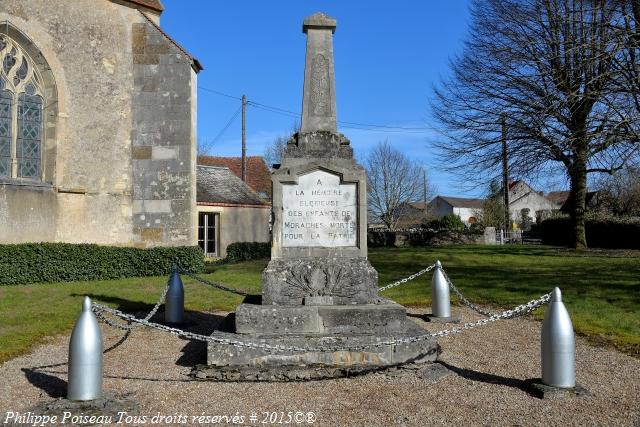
point(244, 138)
point(505, 174)
point(424, 190)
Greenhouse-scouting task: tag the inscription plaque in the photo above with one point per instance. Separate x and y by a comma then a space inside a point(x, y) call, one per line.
point(319, 211)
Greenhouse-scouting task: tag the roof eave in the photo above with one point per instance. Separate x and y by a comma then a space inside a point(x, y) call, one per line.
point(195, 63)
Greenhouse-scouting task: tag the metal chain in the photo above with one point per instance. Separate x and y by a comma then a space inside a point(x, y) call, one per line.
point(232, 339)
point(217, 337)
point(520, 310)
point(214, 284)
point(406, 279)
point(242, 293)
point(130, 326)
point(462, 298)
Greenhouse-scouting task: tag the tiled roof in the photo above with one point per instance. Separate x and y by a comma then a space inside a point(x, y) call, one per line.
point(219, 185)
point(197, 66)
point(417, 205)
point(258, 174)
point(460, 202)
point(558, 197)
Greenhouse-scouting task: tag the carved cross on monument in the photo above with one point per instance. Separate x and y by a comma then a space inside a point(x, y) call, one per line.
point(319, 96)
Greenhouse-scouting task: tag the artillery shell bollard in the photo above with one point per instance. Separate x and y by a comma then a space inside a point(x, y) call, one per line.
point(174, 302)
point(557, 353)
point(440, 300)
point(84, 389)
point(85, 357)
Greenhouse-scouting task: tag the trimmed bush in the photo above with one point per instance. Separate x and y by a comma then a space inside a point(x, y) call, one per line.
point(65, 262)
point(603, 232)
point(244, 251)
point(449, 222)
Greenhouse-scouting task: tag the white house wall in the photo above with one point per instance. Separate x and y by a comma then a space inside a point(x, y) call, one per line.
point(465, 213)
point(534, 202)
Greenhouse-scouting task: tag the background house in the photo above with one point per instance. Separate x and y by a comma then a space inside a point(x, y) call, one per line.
point(522, 196)
point(104, 149)
point(258, 173)
point(466, 209)
point(228, 211)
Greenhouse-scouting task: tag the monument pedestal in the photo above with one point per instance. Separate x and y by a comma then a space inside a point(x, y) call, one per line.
point(342, 340)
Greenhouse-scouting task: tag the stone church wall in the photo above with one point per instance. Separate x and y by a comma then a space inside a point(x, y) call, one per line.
point(120, 141)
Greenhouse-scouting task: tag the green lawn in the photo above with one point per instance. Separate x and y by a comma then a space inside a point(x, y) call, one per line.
point(601, 290)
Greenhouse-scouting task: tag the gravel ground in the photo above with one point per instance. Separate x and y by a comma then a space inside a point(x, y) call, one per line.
point(485, 387)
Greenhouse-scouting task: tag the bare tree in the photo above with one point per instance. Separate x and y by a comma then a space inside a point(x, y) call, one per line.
point(393, 180)
point(619, 194)
point(273, 153)
point(562, 72)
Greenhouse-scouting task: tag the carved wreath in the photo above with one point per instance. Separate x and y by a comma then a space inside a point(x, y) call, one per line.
point(313, 281)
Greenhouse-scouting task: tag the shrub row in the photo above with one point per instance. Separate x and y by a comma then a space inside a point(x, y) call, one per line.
point(612, 233)
point(421, 237)
point(64, 262)
point(244, 251)
point(451, 222)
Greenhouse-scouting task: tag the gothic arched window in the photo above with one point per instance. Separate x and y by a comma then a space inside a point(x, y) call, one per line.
point(21, 113)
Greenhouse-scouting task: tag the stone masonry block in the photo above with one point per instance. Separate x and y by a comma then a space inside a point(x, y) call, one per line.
point(149, 234)
point(153, 206)
point(150, 84)
point(142, 152)
point(347, 280)
point(160, 48)
point(146, 58)
point(384, 318)
point(138, 32)
point(164, 153)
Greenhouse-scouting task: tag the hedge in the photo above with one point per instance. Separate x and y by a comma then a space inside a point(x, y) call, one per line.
point(244, 251)
point(422, 237)
point(611, 232)
point(65, 262)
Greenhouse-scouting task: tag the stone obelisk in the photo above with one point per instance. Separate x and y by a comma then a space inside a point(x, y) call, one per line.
point(319, 252)
point(319, 288)
point(319, 94)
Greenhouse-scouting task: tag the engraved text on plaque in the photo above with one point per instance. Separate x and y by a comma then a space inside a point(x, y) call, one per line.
point(319, 211)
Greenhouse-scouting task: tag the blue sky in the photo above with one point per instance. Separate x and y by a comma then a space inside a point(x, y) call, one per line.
point(387, 56)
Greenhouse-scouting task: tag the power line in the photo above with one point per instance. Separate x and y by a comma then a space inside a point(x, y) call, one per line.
point(343, 123)
point(222, 131)
point(220, 93)
point(350, 125)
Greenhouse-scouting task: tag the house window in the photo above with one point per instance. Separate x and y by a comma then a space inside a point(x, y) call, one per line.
point(208, 232)
point(21, 113)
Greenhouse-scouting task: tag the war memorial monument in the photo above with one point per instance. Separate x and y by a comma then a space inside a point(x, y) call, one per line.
point(319, 289)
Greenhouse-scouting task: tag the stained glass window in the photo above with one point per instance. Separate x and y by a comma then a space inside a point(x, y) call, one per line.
point(6, 98)
point(21, 113)
point(29, 135)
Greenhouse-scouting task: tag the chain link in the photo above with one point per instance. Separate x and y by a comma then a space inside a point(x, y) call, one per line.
point(214, 284)
point(232, 339)
point(518, 311)
point(406, 279)
point(130, 326)
point(462, 298)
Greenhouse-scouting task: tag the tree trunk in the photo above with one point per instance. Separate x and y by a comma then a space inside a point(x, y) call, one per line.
point(578, 197)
